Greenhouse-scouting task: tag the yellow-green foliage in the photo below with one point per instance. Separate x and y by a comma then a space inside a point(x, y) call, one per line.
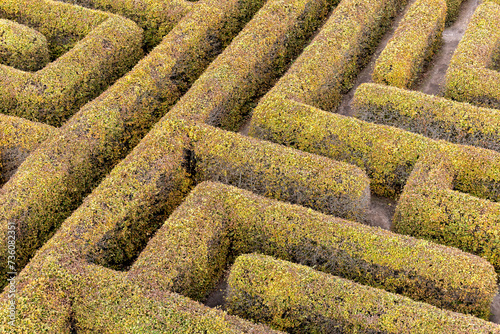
point(217, 222)
point(430, 208)
point(429, 115)
point(156, 17)
point(150, 192)
point(387, 154)
point(469, 77)
point(22, 47)
point(61, 292)
point(110, 304)
point(453, 7)
point(415, 41)
point(299, 299)
point(282, 173)
point(18, 138)
point(54, 180)
point(110, 47)
point(258, 55)
point(328, 66)
point(62, 25)
point(121, 213)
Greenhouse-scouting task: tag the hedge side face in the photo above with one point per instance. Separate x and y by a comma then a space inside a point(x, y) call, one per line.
point(320, 183)
point(469, 77)
point(19, 137)
point(431, 116)
point(344, 42)
point(22, 47)
point(155, 17)
point(414, 42)
point(299, 299)
point(387, 154)
point(218, 222)
point(224, 94)
point(53, 180)
point(430, 208)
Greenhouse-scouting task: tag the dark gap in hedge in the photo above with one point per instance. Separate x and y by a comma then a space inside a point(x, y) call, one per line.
point(246, 111)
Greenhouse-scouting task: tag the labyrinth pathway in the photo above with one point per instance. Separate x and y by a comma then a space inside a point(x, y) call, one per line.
point(152, 151)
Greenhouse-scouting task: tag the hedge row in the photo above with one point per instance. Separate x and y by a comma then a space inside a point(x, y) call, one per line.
point(111, 46)
point(62, 25)
point(227, 90)
point(416, 39)
point(299, 299)
point(60, 292)
point(110, 304)
point(122, 213)
point(22, 47)
point(453, 9)
point(429, 208)
point(431, 116)
point(217, 222)
point(19, 138)
point(469, 77)
point(283, 173)
point(387, 154)
point(156, 17)
point(329, 64)
point(144, 191)
point(53, 180)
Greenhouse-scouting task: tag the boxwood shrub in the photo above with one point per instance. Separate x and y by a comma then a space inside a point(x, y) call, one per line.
point(216, 222)
point(416, 39)
point(470, 76)
point(299, 299)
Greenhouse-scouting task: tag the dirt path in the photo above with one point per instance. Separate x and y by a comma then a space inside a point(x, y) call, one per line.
point(431, 82)
point(217, 298)
point(366, 74)
point(433, 79)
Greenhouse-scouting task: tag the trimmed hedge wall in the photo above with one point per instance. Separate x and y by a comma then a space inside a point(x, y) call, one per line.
point(283, 173)
point(430, 208)
point(429, 115)
point(227, 90)
point(453, 8)
point(62, 25)
point(109, 304)
point(386, 153)
point(19, 138)
point(53, 180)
point(416, 39)
point(469, 77)
point(329, 64)
point(59, 292)
point(149, 196)
point(299, 299)
point(111, 45)
point(22, 47)
point(156, 17)
point(218, 222)
point(118, 216)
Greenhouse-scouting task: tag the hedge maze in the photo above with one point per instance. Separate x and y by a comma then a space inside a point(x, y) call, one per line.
point(154, 151)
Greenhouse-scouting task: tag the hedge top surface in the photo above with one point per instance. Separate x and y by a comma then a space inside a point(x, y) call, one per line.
point(217, 222)
point(300, 299)
point(22, 47)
